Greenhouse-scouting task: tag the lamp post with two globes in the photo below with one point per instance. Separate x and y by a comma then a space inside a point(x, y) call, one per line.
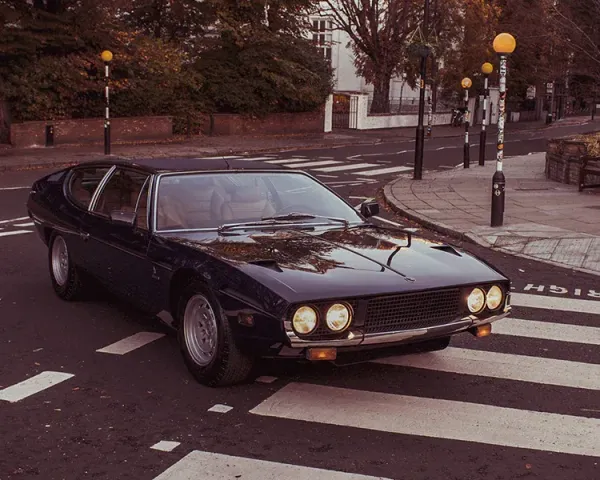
point(504, 44)
point(466, 84)
point(107, 57)
point(486, 69)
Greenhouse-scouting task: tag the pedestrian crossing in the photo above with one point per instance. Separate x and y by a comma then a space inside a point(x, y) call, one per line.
point(506, 391)
point(328, 165)
point(15, 226)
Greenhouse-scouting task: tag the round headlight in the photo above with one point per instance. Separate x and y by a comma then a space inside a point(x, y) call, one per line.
point(338, 317)
point(476, 300)
point(305, 320)
point(494, 297)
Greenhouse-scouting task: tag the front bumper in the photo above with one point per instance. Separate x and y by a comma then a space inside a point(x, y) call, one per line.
point(356, 337)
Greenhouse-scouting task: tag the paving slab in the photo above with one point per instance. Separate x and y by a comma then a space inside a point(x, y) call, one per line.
point(543, 220)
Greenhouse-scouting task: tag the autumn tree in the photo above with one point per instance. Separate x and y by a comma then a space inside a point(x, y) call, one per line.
point(379, 32)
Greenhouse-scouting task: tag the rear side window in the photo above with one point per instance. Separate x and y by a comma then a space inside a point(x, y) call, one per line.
point(84, 182)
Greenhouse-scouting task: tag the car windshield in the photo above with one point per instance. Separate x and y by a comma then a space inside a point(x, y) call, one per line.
point(189, 201)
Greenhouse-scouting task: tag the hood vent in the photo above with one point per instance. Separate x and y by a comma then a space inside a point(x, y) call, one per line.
point(448, 249)
point(267, 263)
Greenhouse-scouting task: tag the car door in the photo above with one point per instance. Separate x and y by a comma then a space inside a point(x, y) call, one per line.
point(119, 235)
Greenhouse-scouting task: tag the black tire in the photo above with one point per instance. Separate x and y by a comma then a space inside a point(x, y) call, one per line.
point(72, 288)
point(229, 365)
point(433, 345)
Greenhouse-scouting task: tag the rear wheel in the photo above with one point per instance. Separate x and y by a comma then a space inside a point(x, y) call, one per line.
point(206, 340)
point(66, 279)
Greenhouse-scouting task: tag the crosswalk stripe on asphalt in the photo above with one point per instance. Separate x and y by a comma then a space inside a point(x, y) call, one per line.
point(430, 417)
point(216, 466)
point(382, 171)
point(555, 303)
point(342, 168)
point(559, 332)
point(504, 365)
point(33, 385)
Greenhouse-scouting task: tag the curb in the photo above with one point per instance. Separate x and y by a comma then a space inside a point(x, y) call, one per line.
point(474, 239)
point(240, 151)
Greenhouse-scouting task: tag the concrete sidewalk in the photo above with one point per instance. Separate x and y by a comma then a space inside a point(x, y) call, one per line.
point(202, 146)
point(543, 220)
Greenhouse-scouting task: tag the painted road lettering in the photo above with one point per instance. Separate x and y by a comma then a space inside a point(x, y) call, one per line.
point(558, 290)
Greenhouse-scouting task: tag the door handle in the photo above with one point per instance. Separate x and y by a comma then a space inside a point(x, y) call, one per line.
point(85, 236)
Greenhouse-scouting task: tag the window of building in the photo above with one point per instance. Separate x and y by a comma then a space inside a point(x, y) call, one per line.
point(322, 36)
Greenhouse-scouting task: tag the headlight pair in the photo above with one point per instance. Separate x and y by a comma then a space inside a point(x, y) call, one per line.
point(306, 319)
point(478, 299)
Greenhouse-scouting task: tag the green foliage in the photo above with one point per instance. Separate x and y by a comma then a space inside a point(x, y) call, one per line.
point(278, 74)
point(164, 63)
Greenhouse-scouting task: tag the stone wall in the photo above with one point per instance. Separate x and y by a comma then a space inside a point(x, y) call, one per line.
point(273, 124)
point(563, 161)
point(91, 130)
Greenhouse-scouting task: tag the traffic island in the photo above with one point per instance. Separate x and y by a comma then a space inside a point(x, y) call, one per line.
point(544, 220)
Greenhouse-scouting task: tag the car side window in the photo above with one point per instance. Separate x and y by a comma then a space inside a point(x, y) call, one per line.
point(121, 192)
point(83, 183)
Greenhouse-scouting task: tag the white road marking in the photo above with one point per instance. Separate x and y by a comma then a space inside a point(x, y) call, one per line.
point(218, 408)
point(356, 166)
point(560, 332)
point(13, 188)
point(218, 157)
point(28, 224)
point(382, 171)
point(14, 232)
point(255, 159)
point(503, 365)
point(555, 303)
point(437, 418)
point(33, 385)
point(327, 176)
point(131, 343)
point(216, 466)
point(20, 219)
point(165, 446)
point(318, 163)
point(281, 160)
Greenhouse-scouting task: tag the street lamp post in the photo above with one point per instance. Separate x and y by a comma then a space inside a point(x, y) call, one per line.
point(504, 44)
point(466, 84)
point(420, 140)
point(486, 69)
point(106, 58)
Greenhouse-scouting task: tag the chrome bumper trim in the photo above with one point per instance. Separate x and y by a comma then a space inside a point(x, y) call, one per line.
point(357, 337)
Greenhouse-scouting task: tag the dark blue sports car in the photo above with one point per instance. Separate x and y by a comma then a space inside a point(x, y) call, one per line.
point(251, 261)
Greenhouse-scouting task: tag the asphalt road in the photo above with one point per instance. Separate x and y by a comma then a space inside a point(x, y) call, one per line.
point(519, 404)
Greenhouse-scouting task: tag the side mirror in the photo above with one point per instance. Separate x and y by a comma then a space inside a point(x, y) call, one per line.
point(369, 209)
point(123, 217)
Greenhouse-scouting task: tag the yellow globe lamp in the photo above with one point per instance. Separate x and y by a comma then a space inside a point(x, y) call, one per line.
point(106, 56)
point(466, 82)
point(487, 68)
point(504, 43)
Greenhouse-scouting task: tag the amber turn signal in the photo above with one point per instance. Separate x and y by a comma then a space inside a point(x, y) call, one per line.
point(482, 330)
point(321, 354)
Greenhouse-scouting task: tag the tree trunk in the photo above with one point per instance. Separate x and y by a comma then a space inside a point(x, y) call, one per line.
point(381, 93)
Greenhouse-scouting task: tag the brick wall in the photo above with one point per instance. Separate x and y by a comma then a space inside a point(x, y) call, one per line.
point(563, 162)
point(273, 124)
point(91, 130)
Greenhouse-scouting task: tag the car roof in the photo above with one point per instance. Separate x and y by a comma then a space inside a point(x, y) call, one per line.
point(183, 164)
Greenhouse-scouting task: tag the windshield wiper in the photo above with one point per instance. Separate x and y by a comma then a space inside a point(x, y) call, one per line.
point(303, 216)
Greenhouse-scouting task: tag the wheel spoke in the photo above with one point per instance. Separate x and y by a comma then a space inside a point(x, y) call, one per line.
point(200, 330)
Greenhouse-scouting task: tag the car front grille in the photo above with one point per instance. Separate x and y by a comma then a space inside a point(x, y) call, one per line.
point(412, 310)
point(402, 311)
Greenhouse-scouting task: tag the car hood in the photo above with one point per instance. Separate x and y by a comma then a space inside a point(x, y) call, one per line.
point(327, 263)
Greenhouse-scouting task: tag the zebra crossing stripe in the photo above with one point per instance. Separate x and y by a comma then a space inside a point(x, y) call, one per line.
point(382, 171)
point(341, 168)
point(280, 161)
point(215, 466)
point(559, 332)
point(437, 418)
point(555, 303)
point(319, 163)
point(503, 365)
